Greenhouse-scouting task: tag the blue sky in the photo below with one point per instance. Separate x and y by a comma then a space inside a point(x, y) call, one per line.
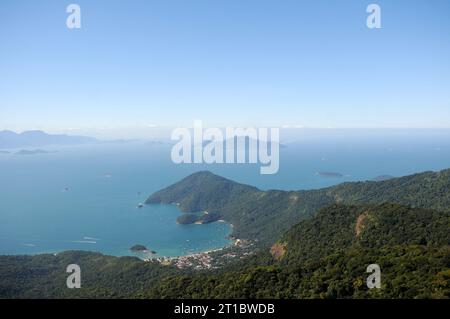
point(138, 64)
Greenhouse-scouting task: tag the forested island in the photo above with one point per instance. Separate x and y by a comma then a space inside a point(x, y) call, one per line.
point(199, 218)
point(138, 248)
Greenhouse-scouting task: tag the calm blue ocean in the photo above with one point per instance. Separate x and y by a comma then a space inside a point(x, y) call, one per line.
point(105, 183)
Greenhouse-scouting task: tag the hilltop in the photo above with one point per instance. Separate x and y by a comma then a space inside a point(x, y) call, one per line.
point(266, 215)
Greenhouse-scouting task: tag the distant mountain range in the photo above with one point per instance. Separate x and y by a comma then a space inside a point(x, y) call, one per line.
point(10, 139)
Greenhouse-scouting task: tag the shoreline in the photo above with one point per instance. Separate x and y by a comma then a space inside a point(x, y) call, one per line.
point(142, 255)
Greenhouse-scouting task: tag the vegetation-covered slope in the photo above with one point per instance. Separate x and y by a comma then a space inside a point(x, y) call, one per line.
point(203, 191)
point(266, 215)
point(340, 227)
point(426, 190)
point(327, 256)
point(407, 272)
point(44, 276)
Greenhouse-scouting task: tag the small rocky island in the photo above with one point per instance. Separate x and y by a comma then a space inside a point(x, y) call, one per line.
point(186, 219)
point(329, 174)
point(33, 152)
point(142, 249)
point(199, 218)
point(138, 248)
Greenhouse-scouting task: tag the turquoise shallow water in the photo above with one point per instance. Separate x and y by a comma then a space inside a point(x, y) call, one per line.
point(99, 210)
point(107, 181)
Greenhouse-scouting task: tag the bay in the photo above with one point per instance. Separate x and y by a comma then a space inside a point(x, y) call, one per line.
point(86, 197)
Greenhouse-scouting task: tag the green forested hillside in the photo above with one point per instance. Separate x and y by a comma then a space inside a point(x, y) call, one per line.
point(266, 215)
point(426, 190)
point(407, 272)
point(203, 191)
point(340, 227)
point(44, 276)
point(327, 256)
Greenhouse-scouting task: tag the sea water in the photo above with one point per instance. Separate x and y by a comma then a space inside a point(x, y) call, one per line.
point(86, 197)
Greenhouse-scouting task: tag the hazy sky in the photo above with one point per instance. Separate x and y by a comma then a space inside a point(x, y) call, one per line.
point(134, 65)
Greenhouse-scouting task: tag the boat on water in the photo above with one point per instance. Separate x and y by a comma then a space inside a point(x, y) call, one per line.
point(140, 205)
